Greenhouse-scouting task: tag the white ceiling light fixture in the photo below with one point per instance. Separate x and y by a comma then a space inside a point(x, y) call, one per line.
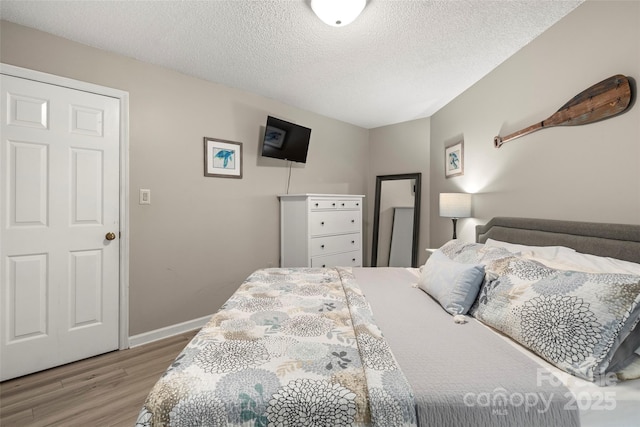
point(338, 13)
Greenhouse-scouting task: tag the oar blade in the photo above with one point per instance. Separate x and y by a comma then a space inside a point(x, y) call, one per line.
point(601, 101)
point(597, 89)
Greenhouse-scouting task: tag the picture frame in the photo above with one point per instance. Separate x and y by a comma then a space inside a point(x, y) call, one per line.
point(454, 160)
point(222, 158)
point(274, 136)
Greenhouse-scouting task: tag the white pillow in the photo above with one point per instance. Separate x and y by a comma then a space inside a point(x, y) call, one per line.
point(542, 252)
point(564, 258)
point(631, 371)
point(572, 260)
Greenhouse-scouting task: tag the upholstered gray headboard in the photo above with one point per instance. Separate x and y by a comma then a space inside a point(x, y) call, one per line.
point(620, 241)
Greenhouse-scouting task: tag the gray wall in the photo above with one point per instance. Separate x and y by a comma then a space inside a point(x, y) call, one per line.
point(588, 173)
point(200, 237)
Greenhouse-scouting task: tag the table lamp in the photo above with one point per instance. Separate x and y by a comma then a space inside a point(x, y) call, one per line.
point(454, 206)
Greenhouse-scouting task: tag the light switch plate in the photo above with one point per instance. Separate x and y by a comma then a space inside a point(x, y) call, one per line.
point(145, 196)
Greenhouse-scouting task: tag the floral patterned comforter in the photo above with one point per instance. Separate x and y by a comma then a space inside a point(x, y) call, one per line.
point(290, 347)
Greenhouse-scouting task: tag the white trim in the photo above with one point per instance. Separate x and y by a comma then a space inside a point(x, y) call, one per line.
point(168, 331)
point(123, 97)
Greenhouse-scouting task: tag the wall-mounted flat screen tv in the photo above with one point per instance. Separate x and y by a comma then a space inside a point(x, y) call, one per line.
point(285, 140)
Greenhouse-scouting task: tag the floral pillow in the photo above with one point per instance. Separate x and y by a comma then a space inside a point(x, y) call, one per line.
point(575, 320)
point(464, 252)
point(474, 253)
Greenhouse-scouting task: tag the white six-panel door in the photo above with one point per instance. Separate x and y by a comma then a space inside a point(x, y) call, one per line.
point(59, 193)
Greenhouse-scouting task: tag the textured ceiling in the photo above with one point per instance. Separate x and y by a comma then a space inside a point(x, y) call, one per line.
point(399, 61)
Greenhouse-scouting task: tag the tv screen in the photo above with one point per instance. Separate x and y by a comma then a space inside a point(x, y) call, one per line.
point(284, 140)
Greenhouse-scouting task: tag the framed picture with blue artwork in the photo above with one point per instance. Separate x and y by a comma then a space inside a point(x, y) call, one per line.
point(222, 158)
point(454, 160)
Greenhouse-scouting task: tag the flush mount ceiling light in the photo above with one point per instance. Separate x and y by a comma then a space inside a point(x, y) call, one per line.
point(338, 13)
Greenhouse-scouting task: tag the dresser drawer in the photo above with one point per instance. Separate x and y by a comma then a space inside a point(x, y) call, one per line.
point(323, 204)
point(348, 259)
point(332, 222)
point(349, 204)
point(333, 244)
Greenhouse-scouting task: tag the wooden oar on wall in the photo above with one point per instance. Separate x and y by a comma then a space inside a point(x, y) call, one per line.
point(606, 99)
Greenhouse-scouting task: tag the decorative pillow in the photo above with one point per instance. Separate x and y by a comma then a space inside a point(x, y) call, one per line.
point(454, 285)
point(575, 320)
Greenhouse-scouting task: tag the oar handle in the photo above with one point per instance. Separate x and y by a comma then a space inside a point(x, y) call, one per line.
point(499, 140)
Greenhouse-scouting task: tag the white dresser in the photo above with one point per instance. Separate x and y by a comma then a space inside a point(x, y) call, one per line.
point(320, 230)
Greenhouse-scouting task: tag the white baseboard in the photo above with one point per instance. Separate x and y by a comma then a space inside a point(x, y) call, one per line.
point(168, 331)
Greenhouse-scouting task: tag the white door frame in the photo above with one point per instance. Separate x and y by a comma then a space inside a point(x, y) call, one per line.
point(123, 98)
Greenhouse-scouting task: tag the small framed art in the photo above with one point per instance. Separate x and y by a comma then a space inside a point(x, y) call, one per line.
point(222, 158)
point(454, 160)
point(274, 137)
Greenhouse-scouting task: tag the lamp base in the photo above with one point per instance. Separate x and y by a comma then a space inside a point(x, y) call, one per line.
point(455, 223)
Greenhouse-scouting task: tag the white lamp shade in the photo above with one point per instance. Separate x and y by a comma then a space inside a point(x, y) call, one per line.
point(338, 13)
point(455, 205)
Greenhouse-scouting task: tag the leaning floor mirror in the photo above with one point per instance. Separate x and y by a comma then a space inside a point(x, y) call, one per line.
point(396, 221)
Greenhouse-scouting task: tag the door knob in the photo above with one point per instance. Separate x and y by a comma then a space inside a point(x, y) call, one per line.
point(110, 236)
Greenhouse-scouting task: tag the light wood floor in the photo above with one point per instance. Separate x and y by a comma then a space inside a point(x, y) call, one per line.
point(106, 390)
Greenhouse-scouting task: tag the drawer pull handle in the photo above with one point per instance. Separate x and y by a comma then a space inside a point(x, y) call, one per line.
point(324, 265)
point(333, 204)
point(343, 204)
point(322, 223)
point(321, 246)
point(317, 205)
point(357, 204)
point(353, 220)
point(353, 259)
point(353, 242)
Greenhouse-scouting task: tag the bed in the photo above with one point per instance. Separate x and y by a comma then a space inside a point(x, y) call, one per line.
point(461, 341)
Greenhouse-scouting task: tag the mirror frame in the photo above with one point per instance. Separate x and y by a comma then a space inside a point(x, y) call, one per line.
point(416, 215)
